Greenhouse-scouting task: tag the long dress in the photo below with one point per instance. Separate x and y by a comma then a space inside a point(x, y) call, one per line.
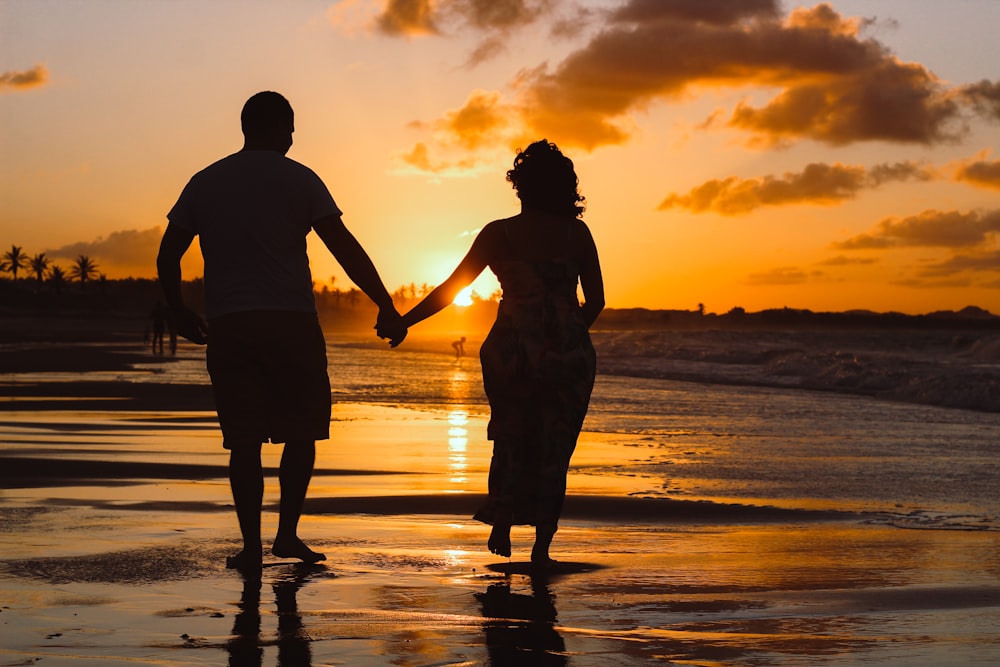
point(539, 367)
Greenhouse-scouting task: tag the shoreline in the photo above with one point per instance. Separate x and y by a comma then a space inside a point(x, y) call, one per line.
point(117, 519)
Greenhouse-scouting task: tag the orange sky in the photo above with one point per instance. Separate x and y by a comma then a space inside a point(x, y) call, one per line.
point(733, 153)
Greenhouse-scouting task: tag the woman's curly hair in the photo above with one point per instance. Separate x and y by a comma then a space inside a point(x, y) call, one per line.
point(544, 179)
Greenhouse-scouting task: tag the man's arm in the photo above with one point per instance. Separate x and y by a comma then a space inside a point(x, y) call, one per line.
point(348, 252)
point(174, 244)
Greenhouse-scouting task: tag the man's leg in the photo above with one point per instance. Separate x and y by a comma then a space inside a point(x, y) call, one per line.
point(246, 479)
point(297, 461)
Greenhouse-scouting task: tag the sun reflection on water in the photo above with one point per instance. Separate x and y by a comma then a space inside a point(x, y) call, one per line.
point(458, 443)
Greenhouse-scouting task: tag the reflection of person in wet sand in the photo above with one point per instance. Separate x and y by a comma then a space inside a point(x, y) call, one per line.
point(459, 346)
point(521, 629)
point(244, 646)
point(538, 361)
point(266, 354)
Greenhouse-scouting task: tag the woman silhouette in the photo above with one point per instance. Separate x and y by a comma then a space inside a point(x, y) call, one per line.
point(538, 361)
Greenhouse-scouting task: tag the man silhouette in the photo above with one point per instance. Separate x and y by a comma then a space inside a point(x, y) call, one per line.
point(266, 353)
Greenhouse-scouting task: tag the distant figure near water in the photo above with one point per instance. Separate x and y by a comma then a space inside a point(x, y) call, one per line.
point(538, 361)
point(459, 346)
point(158, 317)
point(266, 353)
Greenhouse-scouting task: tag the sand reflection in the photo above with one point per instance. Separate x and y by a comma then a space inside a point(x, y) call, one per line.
point(520, 628)
point(246, 646)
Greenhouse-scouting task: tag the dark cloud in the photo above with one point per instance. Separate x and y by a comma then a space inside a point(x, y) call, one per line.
point(833, 84)
point(437, 17)
point(22, 80)
point(718, 12)
point(930, 229)
point(128, 252)
point(818, 183)
point(980, 262)
point(786, 275)
point(982, 173)
point(842, 260)
point(984, 97)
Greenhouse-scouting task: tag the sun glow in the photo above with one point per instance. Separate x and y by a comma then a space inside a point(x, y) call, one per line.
point(464, 298)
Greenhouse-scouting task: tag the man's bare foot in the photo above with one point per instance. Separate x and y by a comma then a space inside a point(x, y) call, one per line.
point(296, 548)
point(246, 562)
point(499, 542)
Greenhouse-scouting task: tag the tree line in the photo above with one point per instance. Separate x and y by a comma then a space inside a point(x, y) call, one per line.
point(45, 271)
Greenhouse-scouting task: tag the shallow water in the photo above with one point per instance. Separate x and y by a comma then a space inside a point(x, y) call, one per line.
point(918, 465)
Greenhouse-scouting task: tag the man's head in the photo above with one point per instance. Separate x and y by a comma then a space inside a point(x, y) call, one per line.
point(268, 122)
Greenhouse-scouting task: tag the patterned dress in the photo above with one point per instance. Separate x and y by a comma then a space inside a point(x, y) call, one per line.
point(538, 371)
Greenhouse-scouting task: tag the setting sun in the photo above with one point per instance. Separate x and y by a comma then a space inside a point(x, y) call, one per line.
point(464, 298)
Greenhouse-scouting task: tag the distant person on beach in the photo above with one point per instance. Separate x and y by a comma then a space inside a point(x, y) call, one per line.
point(266, 355)
point(459, 346)
point(538, 361)
point(158, 317)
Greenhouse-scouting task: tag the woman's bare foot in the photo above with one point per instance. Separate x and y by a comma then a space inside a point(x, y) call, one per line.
point(296, 548)
point(499, 542)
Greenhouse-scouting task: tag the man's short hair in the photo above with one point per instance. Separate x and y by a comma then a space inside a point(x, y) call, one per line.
point(266, 111)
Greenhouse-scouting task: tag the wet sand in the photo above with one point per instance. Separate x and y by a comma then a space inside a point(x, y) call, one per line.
point(115, 519)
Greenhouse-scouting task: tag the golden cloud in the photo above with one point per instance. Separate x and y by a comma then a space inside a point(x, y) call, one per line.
point(930, 229)
point(834, 85)
point(436, 17)
point(22, 80)
point(818, 183)
point(408, 17)
point(982, 173)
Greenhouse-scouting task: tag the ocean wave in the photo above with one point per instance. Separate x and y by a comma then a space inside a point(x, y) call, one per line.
point(931, 368)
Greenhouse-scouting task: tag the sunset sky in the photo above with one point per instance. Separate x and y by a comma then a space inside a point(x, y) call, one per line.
point(746, 153)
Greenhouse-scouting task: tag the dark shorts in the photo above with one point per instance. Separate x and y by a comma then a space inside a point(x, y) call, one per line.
point(269, 377)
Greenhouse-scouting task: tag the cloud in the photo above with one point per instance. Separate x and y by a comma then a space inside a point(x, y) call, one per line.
point(484, 121)
point(818, 183)
point(495, 19)
point(786, 275)
point(984, 97)
point(979, 262)
point(419, 158)
point(408, 17)
point(123, 253)
point(982, 173)
point(842, 260)
point(930, 229)
point(831, 83)
point(23, 80)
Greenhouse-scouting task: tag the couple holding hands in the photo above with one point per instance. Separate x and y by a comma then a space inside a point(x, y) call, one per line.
point(252, 211)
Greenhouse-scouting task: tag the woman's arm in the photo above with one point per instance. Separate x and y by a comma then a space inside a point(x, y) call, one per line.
point(467, 270)
point(591, 280)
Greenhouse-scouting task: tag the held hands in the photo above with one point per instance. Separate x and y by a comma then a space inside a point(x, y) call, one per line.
point(390, 325)
point(190, 325)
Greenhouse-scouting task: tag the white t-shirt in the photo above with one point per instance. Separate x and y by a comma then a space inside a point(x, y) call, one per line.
point(252, 212)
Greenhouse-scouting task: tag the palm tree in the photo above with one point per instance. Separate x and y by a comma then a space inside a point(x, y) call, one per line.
point(40, 265)
point(57, 277)
point(83, 269)
point(14, 259)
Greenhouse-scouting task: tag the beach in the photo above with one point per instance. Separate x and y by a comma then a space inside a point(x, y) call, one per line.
point(116, 520)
